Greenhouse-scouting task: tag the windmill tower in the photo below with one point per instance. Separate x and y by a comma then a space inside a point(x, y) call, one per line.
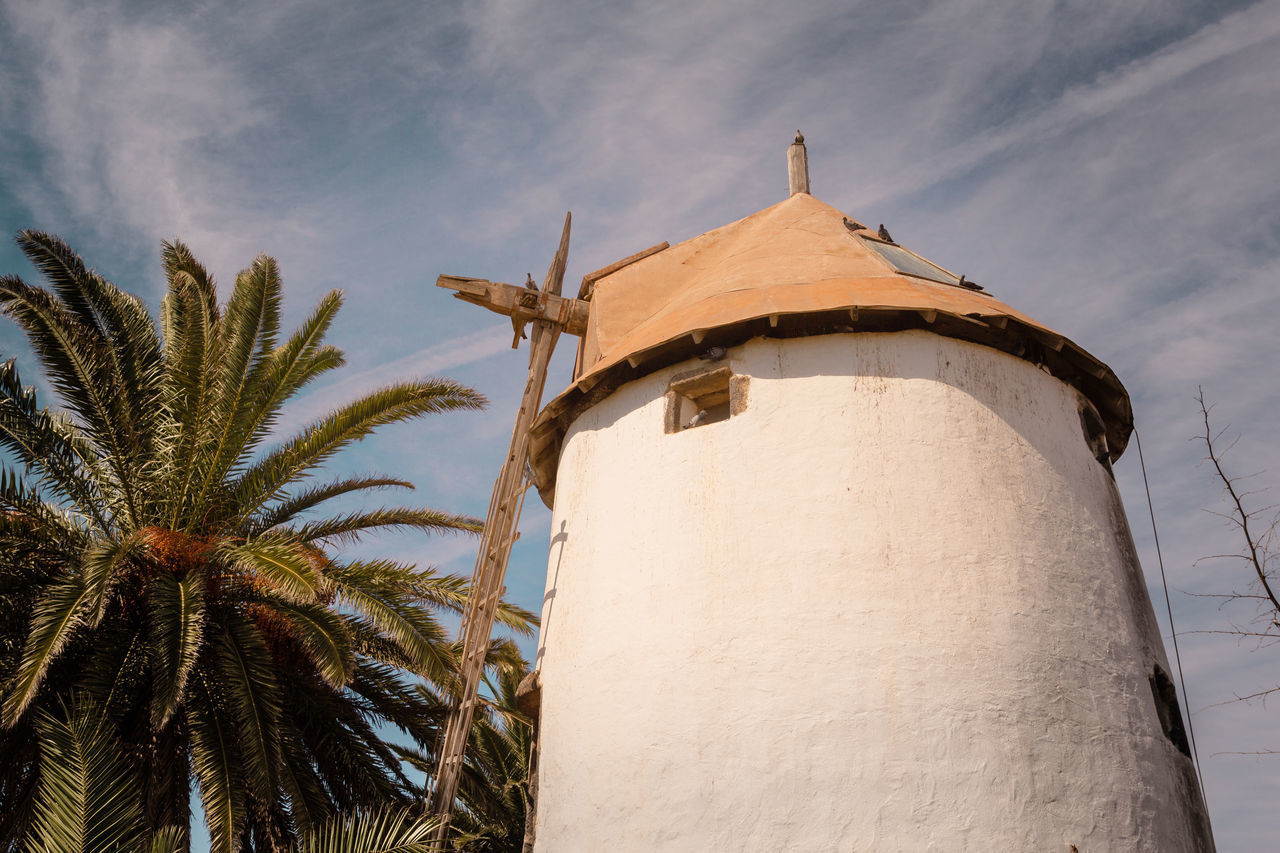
point(838, 563)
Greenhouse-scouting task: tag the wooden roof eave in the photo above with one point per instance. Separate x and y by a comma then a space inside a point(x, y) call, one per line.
point(1055, 353)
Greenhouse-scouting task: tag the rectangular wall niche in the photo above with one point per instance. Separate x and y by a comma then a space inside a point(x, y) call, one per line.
point(707, 396)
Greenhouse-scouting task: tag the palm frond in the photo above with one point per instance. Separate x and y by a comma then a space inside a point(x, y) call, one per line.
point(19, 784)
point(292, 506)
point(120, 318)
point(347, 528)
point(50, 445)
point(396, 616)
point(284, 565)
point(399, 701)
point(66, 271)
point(216, 761)
point(118, 666)
point(175, 633)
point(253, 696)
point(494, 795)
point(358, 768)
point(88, 797)
point(63, 608)
point(170, 839)
point(324, 638)
point(449, 592)
point(289, 367)
point(248, 332)
point(181, 266)
point(191, 355)
point(309, 804)
point(374, 832)
point(99, 567)
point(28, 517)
point(77, 362)
point(318, 442)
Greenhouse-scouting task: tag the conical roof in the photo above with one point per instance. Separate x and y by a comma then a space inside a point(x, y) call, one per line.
point(800, 267)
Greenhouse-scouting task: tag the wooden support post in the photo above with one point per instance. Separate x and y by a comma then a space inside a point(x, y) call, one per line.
point(798, 166)
point(550, 315)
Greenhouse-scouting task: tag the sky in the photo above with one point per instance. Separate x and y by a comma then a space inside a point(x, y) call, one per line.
point(1109, 168)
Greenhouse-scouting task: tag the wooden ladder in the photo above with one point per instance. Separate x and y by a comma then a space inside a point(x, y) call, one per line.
point(550, 315)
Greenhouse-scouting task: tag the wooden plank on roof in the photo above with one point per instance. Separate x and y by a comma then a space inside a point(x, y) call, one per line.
point(589, 280)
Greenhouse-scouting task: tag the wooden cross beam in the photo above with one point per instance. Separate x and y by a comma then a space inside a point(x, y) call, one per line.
point(521, 304)
point(550, 315)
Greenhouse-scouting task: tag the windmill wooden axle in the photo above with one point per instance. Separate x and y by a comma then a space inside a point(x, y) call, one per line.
point(521, 304)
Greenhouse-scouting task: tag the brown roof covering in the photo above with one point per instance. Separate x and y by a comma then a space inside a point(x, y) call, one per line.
point(797, 268)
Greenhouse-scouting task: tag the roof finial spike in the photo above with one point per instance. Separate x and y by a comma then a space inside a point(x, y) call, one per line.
point(798, 166)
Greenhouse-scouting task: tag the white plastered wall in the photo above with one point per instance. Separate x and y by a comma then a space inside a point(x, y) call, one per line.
point(893, 604)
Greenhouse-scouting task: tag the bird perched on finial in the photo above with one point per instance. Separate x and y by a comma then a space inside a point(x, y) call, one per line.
point(799, 138)
point(883, 234)
point(529, 282)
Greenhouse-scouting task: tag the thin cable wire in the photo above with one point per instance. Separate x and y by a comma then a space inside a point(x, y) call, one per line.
point(1177, 656)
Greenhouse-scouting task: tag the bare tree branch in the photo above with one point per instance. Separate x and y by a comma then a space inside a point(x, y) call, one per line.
point(1253, 549)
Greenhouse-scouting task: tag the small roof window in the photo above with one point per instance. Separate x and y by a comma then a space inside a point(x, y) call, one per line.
point(910, 263)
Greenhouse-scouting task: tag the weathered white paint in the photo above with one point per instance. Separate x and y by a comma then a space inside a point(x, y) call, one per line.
point(892, 605)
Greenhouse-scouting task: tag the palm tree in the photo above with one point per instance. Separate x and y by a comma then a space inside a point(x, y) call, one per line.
point(157, 561)
point(494, 799)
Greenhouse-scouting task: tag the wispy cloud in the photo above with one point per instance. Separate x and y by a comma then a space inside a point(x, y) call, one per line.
point(133, 114)
point(1115, 92)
